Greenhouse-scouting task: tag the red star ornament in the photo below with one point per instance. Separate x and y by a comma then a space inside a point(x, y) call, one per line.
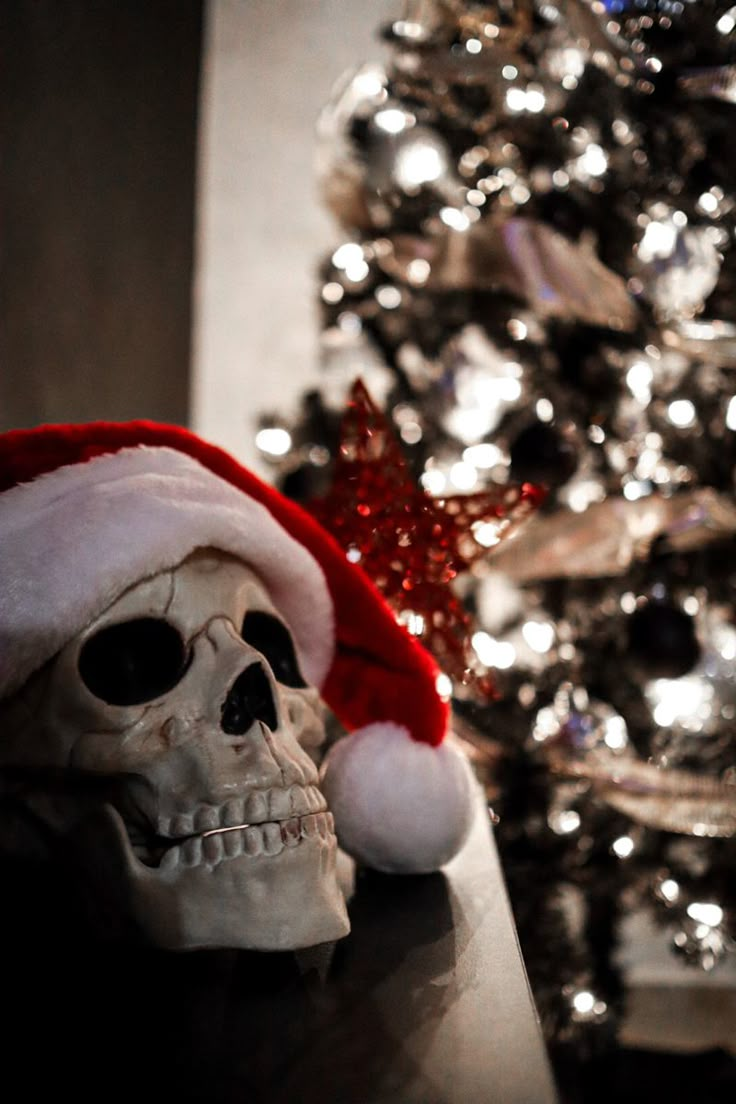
point(411, 545)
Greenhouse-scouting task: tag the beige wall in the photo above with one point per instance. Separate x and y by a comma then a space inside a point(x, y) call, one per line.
point(269, 66)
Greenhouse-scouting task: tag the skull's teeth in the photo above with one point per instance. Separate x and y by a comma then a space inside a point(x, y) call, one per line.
point(270, 839)
point(191, 851)
point(255, 807)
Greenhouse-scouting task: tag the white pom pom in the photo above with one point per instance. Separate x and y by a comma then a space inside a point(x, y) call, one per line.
point(399, 805)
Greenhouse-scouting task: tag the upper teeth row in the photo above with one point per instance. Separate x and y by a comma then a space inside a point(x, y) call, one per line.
point(255, 807)
point(254, 840)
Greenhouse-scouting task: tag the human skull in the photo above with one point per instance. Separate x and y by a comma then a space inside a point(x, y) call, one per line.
point(172, 748)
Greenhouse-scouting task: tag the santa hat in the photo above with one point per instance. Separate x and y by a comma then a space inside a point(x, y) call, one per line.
point(86, 511)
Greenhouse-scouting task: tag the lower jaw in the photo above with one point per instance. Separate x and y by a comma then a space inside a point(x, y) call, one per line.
point(280, 902)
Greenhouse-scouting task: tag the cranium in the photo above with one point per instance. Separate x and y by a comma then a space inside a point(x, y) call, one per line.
point(172, 747)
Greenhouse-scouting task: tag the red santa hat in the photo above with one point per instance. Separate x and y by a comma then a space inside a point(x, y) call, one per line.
point(86, 511)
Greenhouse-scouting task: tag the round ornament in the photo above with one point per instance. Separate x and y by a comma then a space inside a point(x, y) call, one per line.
point(378, 161)
point(541, 453)
point(577, 729)
point(678, 264)
point(662, 640)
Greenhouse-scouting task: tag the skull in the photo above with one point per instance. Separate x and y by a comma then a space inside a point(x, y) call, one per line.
point(171, 749)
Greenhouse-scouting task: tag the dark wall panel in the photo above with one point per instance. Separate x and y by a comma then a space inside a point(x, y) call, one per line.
point(99, 112)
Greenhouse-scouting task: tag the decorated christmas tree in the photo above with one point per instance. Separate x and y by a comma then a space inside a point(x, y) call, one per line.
point(537, 283)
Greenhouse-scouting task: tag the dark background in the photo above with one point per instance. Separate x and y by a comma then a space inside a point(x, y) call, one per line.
point(98, 117)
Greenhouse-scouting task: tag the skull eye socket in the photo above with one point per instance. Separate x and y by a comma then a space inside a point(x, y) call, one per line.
point(272, 639)
point(133, 662)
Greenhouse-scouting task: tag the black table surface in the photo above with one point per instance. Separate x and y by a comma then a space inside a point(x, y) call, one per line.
point(425, 1002)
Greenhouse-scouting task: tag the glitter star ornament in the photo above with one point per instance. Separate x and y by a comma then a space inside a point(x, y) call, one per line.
point(414, 546)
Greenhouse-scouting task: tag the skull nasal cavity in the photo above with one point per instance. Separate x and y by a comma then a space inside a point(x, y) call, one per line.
point(249, 699)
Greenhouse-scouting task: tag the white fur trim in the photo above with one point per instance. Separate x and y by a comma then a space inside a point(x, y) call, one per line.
point(72, 541)
point(399, 805)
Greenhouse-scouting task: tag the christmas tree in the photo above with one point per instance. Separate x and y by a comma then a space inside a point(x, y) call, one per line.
point(537, 283)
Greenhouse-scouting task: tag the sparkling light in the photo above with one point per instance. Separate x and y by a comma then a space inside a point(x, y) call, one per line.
point(583, 1002)
point(727, 22)
point(486, 533)
point(658, 242)
point(349, 322)
point(731, 413)
point(647, 463)
point(474, 45)
point(639, 379)
point(463, 476)
point(539, 635)
point(509, 72)
point(725, 641)
point(535, 100)
point(516, 99)
point(670, 890)
point(586, 1006)
point(681, 413)
point(418, 270)
point(484, 455)
point(407, 29)
point(583, 494)
point(434, 481)
point(273, 440)
point(564, 822)
point(467, 423)
point(594, 161)
point(492, 652)
point(413, 622)
point(392, 120)
point(635, 489)
point(682, 701)
point(546, 724)
point(411, 432)
point(628, 602)
point(357, 272)
point(705, 913)
point(455, 219)
point(351, 259)
point(348, 255)
point(388, 296)
point(369, 83)
point(443, 685)
point(545, 410)
point(623, 847)
point(418, 163)
point(568, 62)
point(616, 735)
point(332, 292)
point(506, 388)
point(708, 203)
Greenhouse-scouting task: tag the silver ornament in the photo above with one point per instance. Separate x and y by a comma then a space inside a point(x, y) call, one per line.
point(677, 264)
